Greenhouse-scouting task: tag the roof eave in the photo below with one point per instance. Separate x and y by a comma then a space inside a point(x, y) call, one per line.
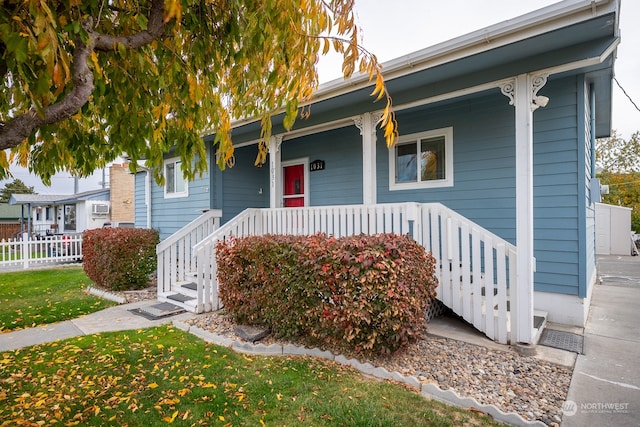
point(535, 23)
point(538, 22)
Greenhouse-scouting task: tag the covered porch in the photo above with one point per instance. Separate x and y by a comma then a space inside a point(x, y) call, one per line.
point(476, 270)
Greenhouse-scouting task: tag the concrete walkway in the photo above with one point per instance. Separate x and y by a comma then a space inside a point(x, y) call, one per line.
point(117, 318)
point(605, 387)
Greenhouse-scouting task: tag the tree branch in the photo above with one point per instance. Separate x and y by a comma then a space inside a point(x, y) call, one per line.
point(16, 130)
point(155, 29)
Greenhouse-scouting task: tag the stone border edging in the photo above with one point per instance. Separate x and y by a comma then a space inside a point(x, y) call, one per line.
point(106, 295)
point(430, 390)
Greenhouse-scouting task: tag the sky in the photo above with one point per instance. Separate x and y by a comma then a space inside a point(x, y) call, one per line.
point(394, 29)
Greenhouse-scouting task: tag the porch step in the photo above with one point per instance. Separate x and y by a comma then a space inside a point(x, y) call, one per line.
point(183, 294)
point(190, 285)
point(186, 302)
point(179, 297)
point(539, 323)
point(159, 311)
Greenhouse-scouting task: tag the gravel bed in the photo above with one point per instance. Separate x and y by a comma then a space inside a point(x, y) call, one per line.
point(533, 388)
point(145, 294)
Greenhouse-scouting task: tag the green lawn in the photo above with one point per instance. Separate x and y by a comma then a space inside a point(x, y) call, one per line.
point(164, 375)
point(15, 256)
point(36, 297)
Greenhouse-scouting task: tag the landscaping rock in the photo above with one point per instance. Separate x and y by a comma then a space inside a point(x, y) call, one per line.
point(530, 387)
point(251, 333)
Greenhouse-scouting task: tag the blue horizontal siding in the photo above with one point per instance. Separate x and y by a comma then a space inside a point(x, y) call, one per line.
point(589, 245)
point(483, 155)
point(244, 185)
point(340, 182)
point(170, 214)
point(140, 207)
point(556, 190)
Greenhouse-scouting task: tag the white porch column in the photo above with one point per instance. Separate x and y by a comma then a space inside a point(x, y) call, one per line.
point(275, 175)
point(523, 95)
point(367, 125)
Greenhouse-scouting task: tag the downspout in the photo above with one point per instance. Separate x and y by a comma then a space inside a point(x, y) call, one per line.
point(147, 196)
point(592, 113)
point(147, 191)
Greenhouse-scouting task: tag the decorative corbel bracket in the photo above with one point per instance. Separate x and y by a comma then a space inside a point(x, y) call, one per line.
point(536, 82)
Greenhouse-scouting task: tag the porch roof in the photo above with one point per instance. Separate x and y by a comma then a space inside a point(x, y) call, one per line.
point(33, 199)
point(570, 37)
point(87, 195)
point(55, 199)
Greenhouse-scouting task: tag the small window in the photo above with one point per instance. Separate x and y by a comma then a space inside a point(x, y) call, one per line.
point(422, 160)
point(175, 184)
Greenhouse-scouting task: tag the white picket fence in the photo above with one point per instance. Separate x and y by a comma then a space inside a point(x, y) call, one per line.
point(26, 252)
point(476, 269)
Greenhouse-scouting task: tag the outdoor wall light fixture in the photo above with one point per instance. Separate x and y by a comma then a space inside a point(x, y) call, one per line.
point(541, 101)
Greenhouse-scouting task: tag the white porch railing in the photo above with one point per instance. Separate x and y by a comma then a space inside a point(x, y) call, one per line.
point(26, 252)
point(175, 257)
point(476, 269)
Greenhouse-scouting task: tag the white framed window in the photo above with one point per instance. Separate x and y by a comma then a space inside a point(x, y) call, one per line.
point(422, 160)
point(174, 183)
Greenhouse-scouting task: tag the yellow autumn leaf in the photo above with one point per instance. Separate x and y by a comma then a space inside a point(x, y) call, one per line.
point(172, 418)
point(153, 385)
point(173, 9)
point(94, 59)
point(326, 47)
point(43, 41)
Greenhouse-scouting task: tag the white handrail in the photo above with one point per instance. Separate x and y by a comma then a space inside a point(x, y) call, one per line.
point(201, 220)
point(476, 269)
point(174, 254)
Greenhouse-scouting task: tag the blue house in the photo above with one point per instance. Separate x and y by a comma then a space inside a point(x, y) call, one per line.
point(493, 172)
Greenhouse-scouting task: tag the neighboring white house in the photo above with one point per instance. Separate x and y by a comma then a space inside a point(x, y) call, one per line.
point(46, 214)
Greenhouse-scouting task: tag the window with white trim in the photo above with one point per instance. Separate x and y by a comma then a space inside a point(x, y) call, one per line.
point(422, 160)
point(174, 183)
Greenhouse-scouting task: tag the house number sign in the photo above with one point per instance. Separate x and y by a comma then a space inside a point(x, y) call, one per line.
point(316, 165)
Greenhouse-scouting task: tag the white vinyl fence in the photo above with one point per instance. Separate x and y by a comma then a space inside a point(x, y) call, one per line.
point(27, 252)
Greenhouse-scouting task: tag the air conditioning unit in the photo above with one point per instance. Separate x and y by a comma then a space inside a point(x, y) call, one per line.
point(100, 209)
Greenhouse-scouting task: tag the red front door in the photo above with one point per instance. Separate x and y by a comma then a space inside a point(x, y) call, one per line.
point(293, 186)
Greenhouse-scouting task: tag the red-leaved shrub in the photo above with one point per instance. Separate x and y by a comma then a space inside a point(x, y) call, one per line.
point(119, 258)
point(364, 294)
